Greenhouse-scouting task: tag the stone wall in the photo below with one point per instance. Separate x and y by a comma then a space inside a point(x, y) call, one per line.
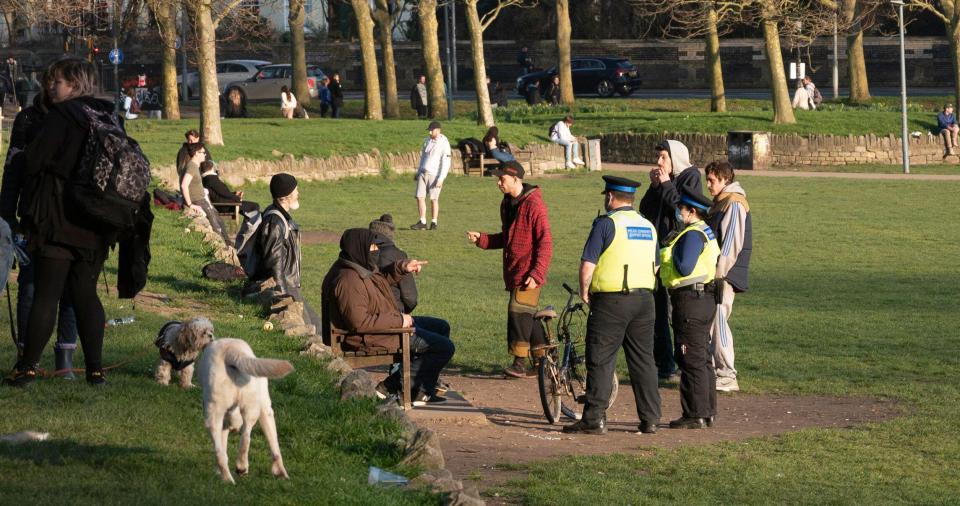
point(541, 157)
point(786, 150)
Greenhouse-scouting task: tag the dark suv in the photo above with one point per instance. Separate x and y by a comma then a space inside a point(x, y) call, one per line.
point(603, 76)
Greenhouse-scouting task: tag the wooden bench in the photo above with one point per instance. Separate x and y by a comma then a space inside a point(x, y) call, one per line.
point(475, 163)
point(233, 212)
point(361, 359)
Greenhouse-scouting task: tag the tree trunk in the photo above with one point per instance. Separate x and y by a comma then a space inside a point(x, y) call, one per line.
point(484, 111)
point(372, 108)
point(563, 51)
point(430, 45)
point(718, 98)
point(782, 106)
point(298, 52)
point(384, 23)
point(859, 86)
point(207, 68)
point(953, 32)
point(165, 13)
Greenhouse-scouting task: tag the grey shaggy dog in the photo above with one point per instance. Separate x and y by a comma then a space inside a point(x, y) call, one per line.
point(186, 341)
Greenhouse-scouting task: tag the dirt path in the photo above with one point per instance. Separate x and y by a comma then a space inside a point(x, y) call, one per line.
point(623, 167)
point(516, 431)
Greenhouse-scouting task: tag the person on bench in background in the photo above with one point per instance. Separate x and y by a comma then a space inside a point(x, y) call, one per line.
point(219, 193)
point(356, 295)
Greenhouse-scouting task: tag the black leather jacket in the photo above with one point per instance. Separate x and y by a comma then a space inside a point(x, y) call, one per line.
point(278, 249)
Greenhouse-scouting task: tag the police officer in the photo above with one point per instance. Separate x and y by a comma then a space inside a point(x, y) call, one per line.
point(617, 276)
point(688, 266)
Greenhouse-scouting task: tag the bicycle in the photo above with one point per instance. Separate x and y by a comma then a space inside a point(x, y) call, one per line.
point(562, 376)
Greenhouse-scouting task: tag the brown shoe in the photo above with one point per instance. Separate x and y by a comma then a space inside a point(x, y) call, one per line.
point(518, 369)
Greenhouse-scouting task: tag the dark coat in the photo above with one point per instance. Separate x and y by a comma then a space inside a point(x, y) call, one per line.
point(405, 291)
point(26, 126)
point(659, 203)
point(277, 247)
point(355, 298)
point(133, 260)
point(336, 93)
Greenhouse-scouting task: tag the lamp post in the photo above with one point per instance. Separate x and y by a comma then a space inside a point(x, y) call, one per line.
point(903, 90)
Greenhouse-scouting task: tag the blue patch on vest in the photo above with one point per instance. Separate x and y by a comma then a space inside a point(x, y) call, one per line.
point(709, 232)
point(639, 234)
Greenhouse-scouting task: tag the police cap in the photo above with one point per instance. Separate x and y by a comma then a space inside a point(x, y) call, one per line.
point(694, 199)
point(619, 184)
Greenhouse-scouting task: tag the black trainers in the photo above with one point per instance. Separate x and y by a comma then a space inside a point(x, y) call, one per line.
point(383, 391)
point(96, 378)
point(423, 398)
point(688, 423)
point(584, 427)
point(418, 226)
point(442, 387)
point(433, 225)
point(21, 378)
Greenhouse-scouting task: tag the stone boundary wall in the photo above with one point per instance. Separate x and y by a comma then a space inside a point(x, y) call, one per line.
point(543, 157)
point(786, 150)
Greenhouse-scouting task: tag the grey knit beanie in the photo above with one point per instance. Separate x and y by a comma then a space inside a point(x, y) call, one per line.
point(383, 225)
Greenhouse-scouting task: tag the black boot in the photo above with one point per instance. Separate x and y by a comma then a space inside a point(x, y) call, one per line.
point(21, 376)
point(96, 378)
point(63, 358)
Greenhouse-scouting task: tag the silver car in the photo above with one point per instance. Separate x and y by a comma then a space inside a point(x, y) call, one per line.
point(228, 71)
point(266, 84)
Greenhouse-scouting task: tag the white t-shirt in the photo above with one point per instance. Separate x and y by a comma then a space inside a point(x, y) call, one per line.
point(435, 157)
point(288, 104)
point(562, 132)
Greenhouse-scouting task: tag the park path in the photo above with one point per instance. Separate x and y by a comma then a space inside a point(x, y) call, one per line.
point(624, 167)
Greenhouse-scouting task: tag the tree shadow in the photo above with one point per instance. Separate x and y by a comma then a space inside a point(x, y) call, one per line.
point(59, 453)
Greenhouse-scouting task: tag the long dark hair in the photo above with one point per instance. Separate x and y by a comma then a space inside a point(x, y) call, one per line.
point(492, 133)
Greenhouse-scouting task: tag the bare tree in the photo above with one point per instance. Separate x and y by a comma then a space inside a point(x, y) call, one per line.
point(430, 45)
point(948, 12)
point(372, 108)
point(563, 51)
point(298, 51)
point(384, 21)
point(477, 25)
point(165, 14)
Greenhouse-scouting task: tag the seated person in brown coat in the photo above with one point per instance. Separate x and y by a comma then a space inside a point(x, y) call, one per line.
point(219, 193)
point(358, 295)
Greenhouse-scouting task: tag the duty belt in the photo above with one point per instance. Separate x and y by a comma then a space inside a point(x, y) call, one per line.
point(633, 291)
point(696, 287)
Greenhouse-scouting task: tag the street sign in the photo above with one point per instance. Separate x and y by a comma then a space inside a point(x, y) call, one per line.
point(116, 56)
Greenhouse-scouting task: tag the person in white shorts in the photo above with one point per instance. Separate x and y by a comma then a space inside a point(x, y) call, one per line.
point(433, 170)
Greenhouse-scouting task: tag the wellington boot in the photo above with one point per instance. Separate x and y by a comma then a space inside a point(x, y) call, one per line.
point(63, 359)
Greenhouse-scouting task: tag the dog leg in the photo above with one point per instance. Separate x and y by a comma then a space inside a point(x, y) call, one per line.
point(214, 424)
point(186, 377)
point(163, 372)
point(249, 420)
point(269, 427)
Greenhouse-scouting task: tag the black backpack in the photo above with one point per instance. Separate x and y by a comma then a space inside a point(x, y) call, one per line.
point(113, 174)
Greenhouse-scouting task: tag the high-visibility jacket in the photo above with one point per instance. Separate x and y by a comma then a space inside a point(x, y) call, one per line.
point(630, 260)
point(705, 270)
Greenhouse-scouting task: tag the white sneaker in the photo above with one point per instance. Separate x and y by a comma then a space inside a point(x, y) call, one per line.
point(578, 161)
point(571, 166)
point(727, 385)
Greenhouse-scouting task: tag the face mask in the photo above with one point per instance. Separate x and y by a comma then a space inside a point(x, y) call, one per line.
point(676, 214)
point(373, 259)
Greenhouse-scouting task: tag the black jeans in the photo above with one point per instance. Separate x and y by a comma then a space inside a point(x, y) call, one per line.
point(66, 321)
point(77, 278)
point(621, 320)
point(214, 218)
point(662, 344)
point(421, 111)
point(431, 350)
point(692, 317)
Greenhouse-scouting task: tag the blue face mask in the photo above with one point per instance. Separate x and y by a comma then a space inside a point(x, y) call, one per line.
point(676, 213)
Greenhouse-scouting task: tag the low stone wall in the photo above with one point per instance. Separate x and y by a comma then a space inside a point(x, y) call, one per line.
point(541, 157)
point(786, 150)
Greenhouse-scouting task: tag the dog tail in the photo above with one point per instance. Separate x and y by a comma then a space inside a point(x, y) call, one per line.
point(260, 367)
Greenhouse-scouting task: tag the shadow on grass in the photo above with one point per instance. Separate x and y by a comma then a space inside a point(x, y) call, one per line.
point(60, 453)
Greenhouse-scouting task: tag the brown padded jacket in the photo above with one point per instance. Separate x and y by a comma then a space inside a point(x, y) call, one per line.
point(354, 298)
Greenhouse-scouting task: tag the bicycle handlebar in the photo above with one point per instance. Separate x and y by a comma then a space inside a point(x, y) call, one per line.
point(568, 289)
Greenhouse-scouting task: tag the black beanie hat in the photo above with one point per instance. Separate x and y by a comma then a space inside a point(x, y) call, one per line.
point(282, 185)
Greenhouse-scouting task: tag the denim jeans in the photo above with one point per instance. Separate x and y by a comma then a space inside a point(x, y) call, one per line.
point(66, 321)
point(431, 348)
point(501, 155)
point(571, 148)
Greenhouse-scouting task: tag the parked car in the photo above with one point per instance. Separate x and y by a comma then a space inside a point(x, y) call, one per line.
point(266, 84)
point(603, 76)
point(228, 71)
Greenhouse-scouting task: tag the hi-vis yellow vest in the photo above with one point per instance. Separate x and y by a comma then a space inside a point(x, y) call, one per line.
point(706, 268)
point(630, 260)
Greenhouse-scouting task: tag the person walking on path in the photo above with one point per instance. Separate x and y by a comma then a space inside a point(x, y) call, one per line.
point(561, 134)
point(288, 103)
point(418, 97)
point(527, 248)
point(688, 267)
point(673, 173)
point(729, 217)
point(617, 277)
point(434, 167)
point(336, 95)
point(947, 124)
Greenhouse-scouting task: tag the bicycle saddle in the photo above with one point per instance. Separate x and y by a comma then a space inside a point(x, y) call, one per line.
point(546, 312)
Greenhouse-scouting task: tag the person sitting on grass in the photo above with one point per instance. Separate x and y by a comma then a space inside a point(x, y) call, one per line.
point(357, 295)
point(947, 124)
point(288, 103)
point(220, 195)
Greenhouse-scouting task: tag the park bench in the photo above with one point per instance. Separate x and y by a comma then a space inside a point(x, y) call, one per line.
point(476, 163)
point(229, 210)
point(360, 359)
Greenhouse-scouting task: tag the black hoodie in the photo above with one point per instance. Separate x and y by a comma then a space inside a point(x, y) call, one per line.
point(659, 203)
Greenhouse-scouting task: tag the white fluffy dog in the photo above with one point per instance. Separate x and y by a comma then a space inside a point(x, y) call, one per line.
point(235, 397)
point(180, 344)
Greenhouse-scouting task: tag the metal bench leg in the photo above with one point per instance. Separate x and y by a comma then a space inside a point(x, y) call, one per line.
point(407, 404)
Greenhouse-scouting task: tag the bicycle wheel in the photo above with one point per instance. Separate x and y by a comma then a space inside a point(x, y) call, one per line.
point(550, 388)
point(575, 381)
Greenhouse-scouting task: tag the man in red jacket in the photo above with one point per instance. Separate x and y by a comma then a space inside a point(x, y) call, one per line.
point(527, 248)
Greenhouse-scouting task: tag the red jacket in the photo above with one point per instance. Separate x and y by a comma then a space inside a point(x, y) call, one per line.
point(526, 243)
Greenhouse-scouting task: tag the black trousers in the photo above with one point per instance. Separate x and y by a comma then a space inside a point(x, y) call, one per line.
point(693, 314)
point(77, 279)
point(421, 111)
point(662, 343)
point(432, 349)
point(621, 320)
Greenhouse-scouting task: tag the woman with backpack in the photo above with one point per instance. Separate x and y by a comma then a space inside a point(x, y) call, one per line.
point(68, 255)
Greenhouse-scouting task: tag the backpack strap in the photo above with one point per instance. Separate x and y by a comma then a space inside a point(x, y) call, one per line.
point(286, 226)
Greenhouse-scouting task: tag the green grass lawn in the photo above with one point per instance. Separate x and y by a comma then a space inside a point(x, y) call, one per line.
point(520, 124)
point(942, 170)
